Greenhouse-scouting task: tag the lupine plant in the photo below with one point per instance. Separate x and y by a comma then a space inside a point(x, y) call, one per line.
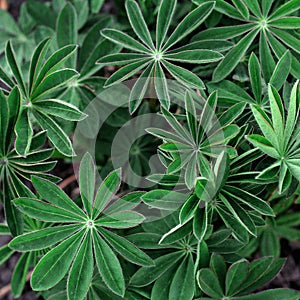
point(206, 99)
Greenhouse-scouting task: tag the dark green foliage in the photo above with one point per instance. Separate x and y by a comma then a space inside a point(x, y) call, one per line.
point(190, 110)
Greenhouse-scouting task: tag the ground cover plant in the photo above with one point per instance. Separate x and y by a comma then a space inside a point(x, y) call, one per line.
point(150, 149)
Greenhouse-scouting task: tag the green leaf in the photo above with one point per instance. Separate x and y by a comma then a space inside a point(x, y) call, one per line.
point(201, 56)
point(188, 209)
point(183, 283)
point(126, 72)
point(23, 132)
point(164, 199)
point(139, 89)
point(236, 275)
point(161, 86)
point(52, 268)
point(124, 40)
point(45, 212)
point(250, 200)
point(255, 77)
point(43, 238)
point(81, 272)
point(52, 82)
point(263, 144)
point(164, 17)
point(119, 59)
point(147, 275)
point(209, 283)
point(107, 189)
point(265, 125)
point(108, 266)
point(253, 5)
point(120, 220)
point(286, 23)
point(37, 60)
point(18, 279)
point(242, 8)
point(96, 5)
point(103, 48)
point(128, 250)
point(189, 24)
point(176, 233)
point(11, 60)
point(261, 271)
point(269, 244)
point(285, 9)
point(61, 109)
point(55, 134)
point(200, 223)
point(56, 196)
point(224, 32)
point(161, 286)
point(51, 65)
point(4, 121)
point(5, 253)
point(277, 111)
point(281, 71)
point(66, 26)
point(87, 182)
point(293, 112)
point(233, 57)
point(273, 294)
point(184, 76)
point(138, 23)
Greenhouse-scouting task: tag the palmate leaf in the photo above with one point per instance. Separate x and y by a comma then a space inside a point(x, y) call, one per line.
point(277, 141)
point(190, 147)
point(154, 59)
point(240, 280)
point(273, 27)
point(45, 77)
point(77, 233)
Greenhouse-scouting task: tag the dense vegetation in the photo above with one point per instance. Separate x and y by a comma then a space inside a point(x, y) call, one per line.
point(181, 119)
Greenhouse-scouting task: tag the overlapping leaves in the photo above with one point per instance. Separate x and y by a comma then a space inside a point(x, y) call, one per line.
point(273, 24)
point(280, 139)
point(155, 57)
point(81, 236)
point(37, 99)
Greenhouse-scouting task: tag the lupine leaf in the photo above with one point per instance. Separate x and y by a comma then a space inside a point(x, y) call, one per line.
point(55, 264)
point(108, 266)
